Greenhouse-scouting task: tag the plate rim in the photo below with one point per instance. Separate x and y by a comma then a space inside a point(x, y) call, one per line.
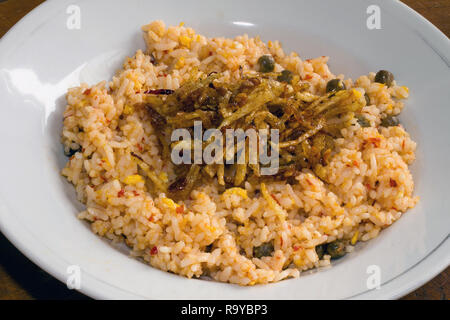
point(435, 262)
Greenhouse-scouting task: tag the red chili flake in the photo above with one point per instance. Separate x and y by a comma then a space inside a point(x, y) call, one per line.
point(121, 193)
point(150, 219)
point(139, 147)
point(281, 241)
point(309, 182)
point(152, 58)
point(274, 198)
point(392, 183)
point(308, 60)
point(160, 91)
point(375, 141)
point(83, 149)
point(368, 186)
point(355, 163)
point(296, 248)
point(179, 209)
point(135, 193)
point(210, 53)
point(154, 251)
point(308, 77)
point(403, 144)
point(87, 91)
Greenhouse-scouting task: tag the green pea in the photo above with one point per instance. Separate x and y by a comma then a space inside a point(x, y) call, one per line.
point(320, 250)
point(390, 121)
point(285, 76)
point(335, 85)
point(385, 77)
point(263, 250)
point(336, 249)
point(266, 63)
point(363, 122)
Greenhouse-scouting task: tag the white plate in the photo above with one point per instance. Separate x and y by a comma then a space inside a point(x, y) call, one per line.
point(40, 58)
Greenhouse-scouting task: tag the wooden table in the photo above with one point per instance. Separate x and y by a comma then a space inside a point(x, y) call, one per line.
point(21, 279)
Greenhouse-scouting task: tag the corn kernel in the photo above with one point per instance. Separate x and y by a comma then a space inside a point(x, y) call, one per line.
point(170, 203)
point(239, 191)
point(180, 63)
point(357, 93)
point(185, 41)
point(127, 109)
point(133, 179)
point(355, 237)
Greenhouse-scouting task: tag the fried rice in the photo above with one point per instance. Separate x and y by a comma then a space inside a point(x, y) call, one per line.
point(367, 184)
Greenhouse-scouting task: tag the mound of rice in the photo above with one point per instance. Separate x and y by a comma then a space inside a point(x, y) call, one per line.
point(368, 184)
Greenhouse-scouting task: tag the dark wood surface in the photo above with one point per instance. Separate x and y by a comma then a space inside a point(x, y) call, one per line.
point(21, 279)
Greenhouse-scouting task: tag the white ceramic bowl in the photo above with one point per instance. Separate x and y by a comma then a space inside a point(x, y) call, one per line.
point(40, 58)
